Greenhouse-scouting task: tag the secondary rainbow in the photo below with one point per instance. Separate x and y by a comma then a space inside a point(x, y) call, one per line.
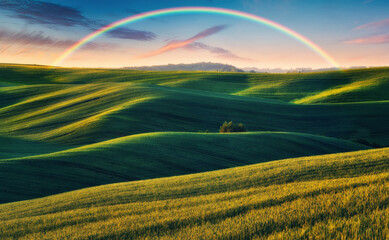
point(183, 10)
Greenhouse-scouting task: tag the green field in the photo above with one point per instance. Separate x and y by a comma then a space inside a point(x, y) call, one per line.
point(339, 196)
point(152, 155)
point(143, 135)
point(358, 85)
point(77, 107)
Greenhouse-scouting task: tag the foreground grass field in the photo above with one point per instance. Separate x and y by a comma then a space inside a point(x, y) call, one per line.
point(338, 196)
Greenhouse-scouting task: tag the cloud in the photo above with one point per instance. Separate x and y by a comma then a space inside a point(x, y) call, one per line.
point(216, 50)
point(380, 39)
point(39, 39)
point(374, 25)
point(51, 14)
point(175, 44)
point(208, 32)
point(33, 38)
point(39, 12)
point(98, 46)
point(198, 45)
point(126, 33)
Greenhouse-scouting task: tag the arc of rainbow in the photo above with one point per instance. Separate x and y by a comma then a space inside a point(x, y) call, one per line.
point(181, 10)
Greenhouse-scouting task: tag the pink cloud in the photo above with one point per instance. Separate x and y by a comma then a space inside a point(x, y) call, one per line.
point(179, 44)
point(224, 53)
point(374, 25)
point(370, 40)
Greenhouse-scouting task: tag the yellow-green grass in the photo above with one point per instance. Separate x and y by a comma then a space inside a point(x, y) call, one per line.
point(150, 155)
point(63, 112)
point(358, 85)
point(337, 196)
point(77, 114)
point(348, 91)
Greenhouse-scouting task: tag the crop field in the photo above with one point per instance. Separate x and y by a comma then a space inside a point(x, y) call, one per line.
point(128, 154)
point(338, 196)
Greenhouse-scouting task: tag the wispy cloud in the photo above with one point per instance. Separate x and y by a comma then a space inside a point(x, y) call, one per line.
point(126, 33)
point(380, 39)
point(175, 44)
point(374, 25)
point(57, 15)
point(41, 40)
point(45, 13)
point(32, 38)
point(221, 52)
point(382, 26)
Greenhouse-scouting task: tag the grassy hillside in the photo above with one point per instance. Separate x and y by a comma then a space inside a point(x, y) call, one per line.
point(77, 114)
point(15, 148)
point(359, 85)
point(150, 155)
point(338, 196)
point(64, 129)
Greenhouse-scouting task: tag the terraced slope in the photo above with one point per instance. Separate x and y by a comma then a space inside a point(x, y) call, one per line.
point(338, 196)
point(151, 155)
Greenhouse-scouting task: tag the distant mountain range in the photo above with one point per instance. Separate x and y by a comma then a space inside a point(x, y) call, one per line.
point(201, 66)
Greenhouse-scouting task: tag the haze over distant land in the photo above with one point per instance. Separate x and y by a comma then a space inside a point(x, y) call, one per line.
point(200, 66)
point(220, 67)
point(294, 70)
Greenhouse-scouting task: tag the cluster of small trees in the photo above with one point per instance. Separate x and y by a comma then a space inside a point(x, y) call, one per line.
point(229, 127)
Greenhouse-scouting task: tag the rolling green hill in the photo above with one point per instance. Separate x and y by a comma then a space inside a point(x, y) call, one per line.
point(150, 155)
point(77, 114)
point(64, 129)
point(87, 126)
point(338, 196)
point(15, 148)
point(358, 85)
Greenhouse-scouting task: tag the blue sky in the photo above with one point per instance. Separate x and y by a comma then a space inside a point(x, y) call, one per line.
point(353, 32)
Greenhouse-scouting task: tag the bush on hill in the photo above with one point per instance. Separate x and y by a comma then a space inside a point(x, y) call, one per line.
point(229, 127)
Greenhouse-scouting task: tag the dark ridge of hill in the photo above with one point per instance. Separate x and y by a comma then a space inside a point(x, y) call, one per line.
point(200, 66)
point(11, 147)
point(152, 155)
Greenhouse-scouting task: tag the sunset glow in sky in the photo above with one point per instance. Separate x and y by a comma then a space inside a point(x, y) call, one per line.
point(352, 32)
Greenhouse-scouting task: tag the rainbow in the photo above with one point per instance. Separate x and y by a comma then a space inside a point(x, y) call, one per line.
point(181, 10)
